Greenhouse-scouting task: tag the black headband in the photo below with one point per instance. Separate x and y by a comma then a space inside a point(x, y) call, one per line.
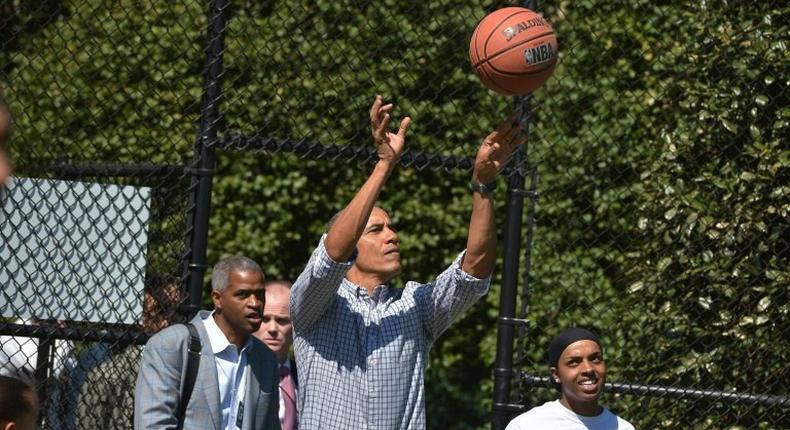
point(565, 338)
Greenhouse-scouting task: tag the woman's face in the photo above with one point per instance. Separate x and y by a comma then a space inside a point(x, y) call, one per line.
point(582, 372)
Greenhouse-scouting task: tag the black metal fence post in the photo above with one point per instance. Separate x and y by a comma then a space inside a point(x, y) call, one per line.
point(43, 364)
point(503, 365)
point(202, 168)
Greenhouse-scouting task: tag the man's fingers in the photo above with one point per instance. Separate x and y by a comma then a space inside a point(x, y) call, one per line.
point(491, 138)
point(385, 109)
point(374, 111)
point(384, 126)
point(510, 143)
point(507, 124)
point(404, 125)
point(514, 130)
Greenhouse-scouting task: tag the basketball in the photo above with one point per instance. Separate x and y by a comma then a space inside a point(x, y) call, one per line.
point(513, 51)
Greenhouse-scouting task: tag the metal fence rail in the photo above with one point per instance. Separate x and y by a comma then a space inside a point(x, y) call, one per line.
point(649, 203)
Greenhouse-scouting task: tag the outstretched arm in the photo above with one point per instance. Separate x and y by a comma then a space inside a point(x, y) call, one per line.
point(342, 237)
point(313, 292)
point(491, 157)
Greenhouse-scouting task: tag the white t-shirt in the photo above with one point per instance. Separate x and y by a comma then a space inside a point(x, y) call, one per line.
point(555, 416)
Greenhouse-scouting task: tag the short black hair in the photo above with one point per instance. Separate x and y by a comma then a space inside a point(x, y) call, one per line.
point(17, 398)
point(340, 212)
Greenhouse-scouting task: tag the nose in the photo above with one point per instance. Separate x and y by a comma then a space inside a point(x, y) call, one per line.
point(392, 236)
point(254, 302)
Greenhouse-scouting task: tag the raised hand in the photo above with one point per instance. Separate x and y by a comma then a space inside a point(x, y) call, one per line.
point(388, 145)
point(496, 148)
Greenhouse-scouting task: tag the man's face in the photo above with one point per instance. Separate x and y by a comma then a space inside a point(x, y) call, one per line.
point(276, 330)
point(379, 253)
point(581, 372)
point(241, 304)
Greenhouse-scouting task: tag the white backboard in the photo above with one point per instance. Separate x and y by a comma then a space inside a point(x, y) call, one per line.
point(73, 250)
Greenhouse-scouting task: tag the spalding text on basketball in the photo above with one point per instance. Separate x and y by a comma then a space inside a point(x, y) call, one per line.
point(513, 30)
point(539, 54)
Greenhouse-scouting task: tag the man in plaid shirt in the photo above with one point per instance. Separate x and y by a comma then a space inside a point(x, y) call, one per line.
point(361, 345)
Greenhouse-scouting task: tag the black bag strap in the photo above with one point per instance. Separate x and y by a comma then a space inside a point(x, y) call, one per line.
point(193, 363)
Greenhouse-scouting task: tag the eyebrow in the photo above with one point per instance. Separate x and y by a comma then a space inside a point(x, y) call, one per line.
point(389, 224)
point(250, 290)
point(374, 225)
point(588, 355)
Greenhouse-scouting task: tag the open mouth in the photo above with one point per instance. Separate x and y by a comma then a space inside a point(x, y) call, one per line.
point(254, 318)
point(589, 385)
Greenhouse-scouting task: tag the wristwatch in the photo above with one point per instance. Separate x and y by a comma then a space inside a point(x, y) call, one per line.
point(481, 188)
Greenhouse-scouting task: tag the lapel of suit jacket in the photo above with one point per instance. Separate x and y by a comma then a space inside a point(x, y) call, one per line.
point(253, 394)
point(209, 377)
point(294, 372)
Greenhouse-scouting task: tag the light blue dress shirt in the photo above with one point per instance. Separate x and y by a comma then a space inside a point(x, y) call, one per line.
point(231, 372)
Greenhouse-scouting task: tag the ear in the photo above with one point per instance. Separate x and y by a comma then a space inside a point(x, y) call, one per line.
point(555, 376)
point(216, 298)
point(9, 426)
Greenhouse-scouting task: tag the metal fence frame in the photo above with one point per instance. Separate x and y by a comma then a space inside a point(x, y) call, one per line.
point(510, 325)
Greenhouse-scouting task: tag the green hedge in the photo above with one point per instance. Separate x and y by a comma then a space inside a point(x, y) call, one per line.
point(660, 143)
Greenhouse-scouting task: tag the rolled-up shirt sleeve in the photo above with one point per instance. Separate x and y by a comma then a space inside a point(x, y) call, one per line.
point(450, 295)
point(316, 287)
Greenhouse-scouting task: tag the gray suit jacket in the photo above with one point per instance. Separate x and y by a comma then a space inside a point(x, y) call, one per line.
point(161, 379)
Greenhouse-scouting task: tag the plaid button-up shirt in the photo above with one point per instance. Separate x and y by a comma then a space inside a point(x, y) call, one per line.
point(361, 358)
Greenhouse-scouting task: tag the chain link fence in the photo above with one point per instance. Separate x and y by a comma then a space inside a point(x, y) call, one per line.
point(93, 224)
point(152, 137)
point(662, 221)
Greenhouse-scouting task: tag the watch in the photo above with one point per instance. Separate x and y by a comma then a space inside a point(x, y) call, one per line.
point(481, 188)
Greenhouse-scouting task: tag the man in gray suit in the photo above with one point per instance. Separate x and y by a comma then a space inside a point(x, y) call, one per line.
point(237, 381)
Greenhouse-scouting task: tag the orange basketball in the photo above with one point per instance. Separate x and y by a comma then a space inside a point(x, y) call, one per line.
point(513, 51)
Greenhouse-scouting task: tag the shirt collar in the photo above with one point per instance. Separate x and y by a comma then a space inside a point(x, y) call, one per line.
point(379, 293)
point(217, 339)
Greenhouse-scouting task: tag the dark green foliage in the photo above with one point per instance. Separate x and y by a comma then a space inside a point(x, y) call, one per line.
point(660, 142)
point(663, 218)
